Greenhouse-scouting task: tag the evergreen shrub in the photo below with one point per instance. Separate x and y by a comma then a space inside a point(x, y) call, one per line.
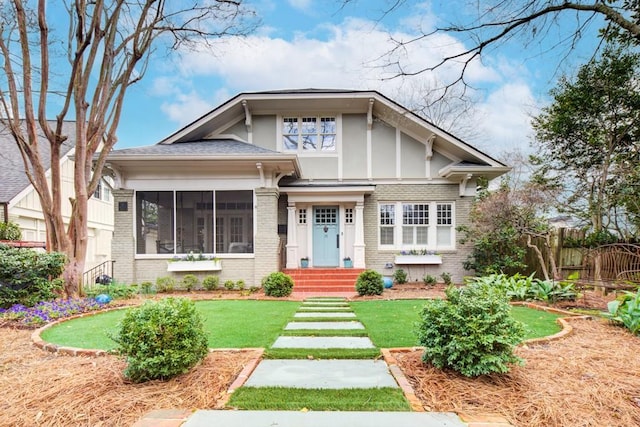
point(161, 339)
point(277, 284)
point(369, 283)
point(471, 332)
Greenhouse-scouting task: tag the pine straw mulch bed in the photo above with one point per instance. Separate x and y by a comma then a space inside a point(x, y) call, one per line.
point(587, 379)
point(590, 378)
point(45, 389)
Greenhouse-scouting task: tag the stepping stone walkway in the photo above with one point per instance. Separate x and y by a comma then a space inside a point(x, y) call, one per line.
point(322, 374)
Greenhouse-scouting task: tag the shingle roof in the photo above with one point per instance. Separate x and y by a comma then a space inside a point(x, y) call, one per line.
point(13, 178)
point(216, 147)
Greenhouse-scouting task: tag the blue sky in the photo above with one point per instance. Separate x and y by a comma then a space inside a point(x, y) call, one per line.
point(318, 43)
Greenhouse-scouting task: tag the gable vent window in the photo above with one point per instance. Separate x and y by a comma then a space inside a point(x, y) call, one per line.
point(309, 133)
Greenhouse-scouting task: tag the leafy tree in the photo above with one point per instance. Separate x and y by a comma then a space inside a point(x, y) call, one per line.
point(588, 143)
point(107, 49)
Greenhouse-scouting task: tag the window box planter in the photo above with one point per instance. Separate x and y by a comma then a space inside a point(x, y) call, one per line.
point(418, 259)
point(208, 265)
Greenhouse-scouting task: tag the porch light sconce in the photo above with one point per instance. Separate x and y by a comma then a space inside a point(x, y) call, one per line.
point(388, 265)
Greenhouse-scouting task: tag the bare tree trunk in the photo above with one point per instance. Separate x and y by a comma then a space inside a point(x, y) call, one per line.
point(538, 252)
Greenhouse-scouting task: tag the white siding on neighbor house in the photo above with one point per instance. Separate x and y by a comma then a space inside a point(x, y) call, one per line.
point(27, 213)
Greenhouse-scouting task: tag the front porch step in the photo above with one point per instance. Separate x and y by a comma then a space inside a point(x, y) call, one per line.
point(324, 279)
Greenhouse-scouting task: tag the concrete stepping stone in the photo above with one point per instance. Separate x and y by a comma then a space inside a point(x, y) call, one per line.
point(209, 417)
point(305, 308)
point(327, 374)
point(291, 326)
point(324, 304)
point(328, 315)
point(323, 342)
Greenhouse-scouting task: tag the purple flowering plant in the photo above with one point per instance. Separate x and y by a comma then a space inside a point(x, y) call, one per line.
point(48, 311)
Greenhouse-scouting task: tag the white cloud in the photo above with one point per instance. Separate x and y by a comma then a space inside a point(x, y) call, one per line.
point(507, 113)
point(353, 55)
point(300, 4)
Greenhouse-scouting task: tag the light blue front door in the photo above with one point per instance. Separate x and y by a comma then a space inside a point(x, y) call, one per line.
point(326, 237)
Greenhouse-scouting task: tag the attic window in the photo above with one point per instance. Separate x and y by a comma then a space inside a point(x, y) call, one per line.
point(309, 133)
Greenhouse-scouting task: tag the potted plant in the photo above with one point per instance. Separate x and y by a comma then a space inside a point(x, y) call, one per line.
point(418, 256)
point(304, 262)
point(348, 263)
point(194, 262)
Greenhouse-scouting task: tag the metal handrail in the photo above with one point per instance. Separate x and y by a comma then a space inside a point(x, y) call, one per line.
point(106, 268)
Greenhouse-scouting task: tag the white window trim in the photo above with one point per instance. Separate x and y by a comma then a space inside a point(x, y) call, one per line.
point(308, 153)
point(433, 227)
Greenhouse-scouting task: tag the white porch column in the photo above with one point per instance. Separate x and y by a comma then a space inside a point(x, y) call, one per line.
point(292, 236)
point(358, 245)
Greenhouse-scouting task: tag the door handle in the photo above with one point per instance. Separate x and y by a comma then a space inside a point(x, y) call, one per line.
point(338, 241)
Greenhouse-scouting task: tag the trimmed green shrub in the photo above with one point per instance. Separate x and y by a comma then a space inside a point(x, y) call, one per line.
point(229, 285)
point(400, 276)
point(165, 284)
point(146, 287)
point(10, 231)
point(161, 339)
point(625, 310)
point(370, 283)
point(190, 282)
point(429, 280)
point(277, 285)
point(25, 273)
point(240, 284)
point(471, 332)
point(446, 278)
point(210, 282)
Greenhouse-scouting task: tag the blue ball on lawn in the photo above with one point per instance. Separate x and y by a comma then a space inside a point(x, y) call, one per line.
point(103, 299)
point(387, 282)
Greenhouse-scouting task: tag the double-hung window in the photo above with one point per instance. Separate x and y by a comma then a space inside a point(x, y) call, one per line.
point(309, 133)
point(416, 225)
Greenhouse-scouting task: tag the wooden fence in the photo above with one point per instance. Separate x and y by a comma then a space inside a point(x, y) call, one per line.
point(618, 262)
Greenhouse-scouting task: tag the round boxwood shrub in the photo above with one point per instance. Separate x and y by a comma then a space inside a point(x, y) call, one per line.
point(369, 283)
point(277, 285)
point(190, 282)
point(210, 282)
point(471, 332)
point(161, 339)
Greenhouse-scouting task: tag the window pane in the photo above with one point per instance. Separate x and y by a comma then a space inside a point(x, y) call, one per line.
point(386, 235)
point(328, 125)
point(415, 214)
point(387, 214)
point(290, 133)
point(444, 236)
point(407, 235)
point(328, 142)
point(445, 216)
point(422, 235)
point(234, 221)
point(194, 221)
point(154, 222)
point(309, 142)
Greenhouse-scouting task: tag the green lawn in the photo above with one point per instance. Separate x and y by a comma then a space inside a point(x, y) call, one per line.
point(296, 399)
point(392, 323)
point(241, 324)
point(229, 324)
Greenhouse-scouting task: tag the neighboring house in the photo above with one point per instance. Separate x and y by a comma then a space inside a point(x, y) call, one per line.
point(19, 201)
point(269, 178)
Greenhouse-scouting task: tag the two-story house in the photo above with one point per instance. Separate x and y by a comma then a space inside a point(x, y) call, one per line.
point(19, 201)
point(270, 178)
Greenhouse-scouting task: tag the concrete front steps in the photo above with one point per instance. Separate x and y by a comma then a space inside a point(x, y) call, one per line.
point(325, 281)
